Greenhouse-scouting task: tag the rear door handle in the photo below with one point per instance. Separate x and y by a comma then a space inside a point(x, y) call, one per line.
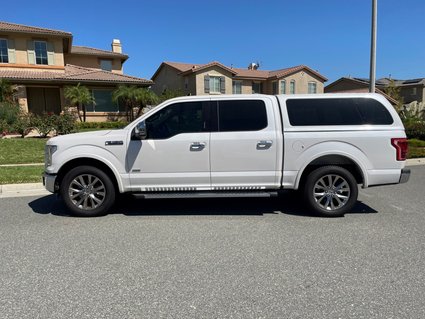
point(197, 146)
point(264, 145)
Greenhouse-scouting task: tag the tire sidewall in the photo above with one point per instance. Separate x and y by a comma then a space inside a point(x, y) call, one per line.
point(109, 187)
point(315, 175)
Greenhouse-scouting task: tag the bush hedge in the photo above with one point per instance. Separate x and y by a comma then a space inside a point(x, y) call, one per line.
point(415, 130)
point(100, 125)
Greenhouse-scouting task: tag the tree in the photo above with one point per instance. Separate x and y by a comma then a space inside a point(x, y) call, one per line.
point(169, 94)
point(126, 95)
point(133, 97)
point(146, 97)
point(6, 91)
point(394, 91)
point(79, 96)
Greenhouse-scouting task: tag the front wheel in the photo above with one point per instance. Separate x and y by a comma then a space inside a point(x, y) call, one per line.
point(331, 191)
point(87, 191)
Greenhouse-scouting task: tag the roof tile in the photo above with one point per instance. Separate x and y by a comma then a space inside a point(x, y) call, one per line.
point(14, 27)
point(72, 73)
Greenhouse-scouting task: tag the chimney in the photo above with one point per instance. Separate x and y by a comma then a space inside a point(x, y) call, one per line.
point(116, 46)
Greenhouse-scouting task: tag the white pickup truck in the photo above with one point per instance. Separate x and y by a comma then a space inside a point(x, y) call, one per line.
point(235, 146)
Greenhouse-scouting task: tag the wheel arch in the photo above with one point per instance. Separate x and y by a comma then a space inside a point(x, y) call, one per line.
point(88, 161)
point(333, 159)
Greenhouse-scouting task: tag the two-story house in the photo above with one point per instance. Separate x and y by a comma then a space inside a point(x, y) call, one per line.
point(41, 62)
point(216, 78)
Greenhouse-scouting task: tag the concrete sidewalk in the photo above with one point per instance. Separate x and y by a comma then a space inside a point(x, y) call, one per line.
point(37, 189)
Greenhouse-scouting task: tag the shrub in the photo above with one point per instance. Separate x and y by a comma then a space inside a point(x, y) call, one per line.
point(44, 123)
point(9, 112)
point(415, 129)
point(23, 124)
point(100, 125)
point(4, 127)
point(65, 123)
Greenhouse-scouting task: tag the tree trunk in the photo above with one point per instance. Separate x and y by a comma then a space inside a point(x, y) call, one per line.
point(84, 112)
point(78, 111)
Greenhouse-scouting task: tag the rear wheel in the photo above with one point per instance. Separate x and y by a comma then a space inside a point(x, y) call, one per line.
point(331, 191)
point(87, 191)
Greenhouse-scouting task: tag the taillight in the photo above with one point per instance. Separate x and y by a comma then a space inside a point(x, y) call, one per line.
point(401, 147)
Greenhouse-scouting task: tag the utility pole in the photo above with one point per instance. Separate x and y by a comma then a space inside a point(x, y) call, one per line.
point(373, 48)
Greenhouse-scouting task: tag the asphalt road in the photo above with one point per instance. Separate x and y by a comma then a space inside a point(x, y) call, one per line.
point(216, 258)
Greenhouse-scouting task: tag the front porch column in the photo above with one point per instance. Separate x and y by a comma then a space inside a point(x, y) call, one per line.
point(22, 98)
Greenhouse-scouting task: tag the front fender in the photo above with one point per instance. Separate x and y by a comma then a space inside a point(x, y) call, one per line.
point(117, 165)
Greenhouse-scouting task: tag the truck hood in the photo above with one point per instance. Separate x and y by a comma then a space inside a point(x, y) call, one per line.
point(86, 137)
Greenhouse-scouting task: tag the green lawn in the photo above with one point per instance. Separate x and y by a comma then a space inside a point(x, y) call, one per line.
point(23, 174)
point(22, 150)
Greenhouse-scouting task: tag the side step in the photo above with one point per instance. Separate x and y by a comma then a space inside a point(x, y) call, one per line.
point(262, 194)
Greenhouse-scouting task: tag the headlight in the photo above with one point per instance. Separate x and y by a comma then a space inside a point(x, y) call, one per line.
point(48, 152)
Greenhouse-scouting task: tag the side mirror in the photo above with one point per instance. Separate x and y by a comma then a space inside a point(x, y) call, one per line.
point(140, 131)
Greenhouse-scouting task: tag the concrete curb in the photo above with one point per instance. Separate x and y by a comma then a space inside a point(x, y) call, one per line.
point(21, 190)
point(415, 161)
point(37, 189)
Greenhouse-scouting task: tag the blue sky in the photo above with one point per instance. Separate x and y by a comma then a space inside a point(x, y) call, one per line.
point(331, 36)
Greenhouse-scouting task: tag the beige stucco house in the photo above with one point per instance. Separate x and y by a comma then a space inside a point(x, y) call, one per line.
point(216, 78)
point(359, 85)
point(41, 62)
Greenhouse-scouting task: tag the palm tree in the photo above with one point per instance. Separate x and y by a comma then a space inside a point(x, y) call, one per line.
point(146, 97)
point(80, 96)
point(6, 91)
point(133, 97)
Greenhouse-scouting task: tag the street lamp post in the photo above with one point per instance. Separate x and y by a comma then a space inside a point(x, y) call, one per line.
point(373, 48)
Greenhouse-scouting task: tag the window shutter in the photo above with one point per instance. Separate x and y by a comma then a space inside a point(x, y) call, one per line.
point(222, 85)
point(50, 53)
point(207, 84)
point(31, 52)
point(11, 51)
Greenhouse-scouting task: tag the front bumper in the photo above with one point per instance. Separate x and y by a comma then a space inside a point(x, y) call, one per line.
point(49, 182)
point(405, 175)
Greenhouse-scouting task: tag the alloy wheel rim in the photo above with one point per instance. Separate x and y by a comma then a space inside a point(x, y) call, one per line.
point(87, 192)
point(331, 192)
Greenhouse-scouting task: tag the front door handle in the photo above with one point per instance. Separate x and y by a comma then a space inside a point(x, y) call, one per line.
point(264, 145)
point(197, 146)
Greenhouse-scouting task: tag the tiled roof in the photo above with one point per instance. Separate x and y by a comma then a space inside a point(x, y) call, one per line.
point(13, 27)
point(72, 73)
point(238, 72)
point(76, 49)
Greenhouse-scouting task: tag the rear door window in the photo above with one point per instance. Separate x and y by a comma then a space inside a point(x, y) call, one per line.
point(241, 115)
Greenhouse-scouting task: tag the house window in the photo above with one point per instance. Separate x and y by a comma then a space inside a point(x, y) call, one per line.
point(186, 83)
point(4, 57)
point(414, 91)
point(283, 87)
point(312, 87)
point(257, 87)
point(292, 87)
point(106, 65)
point(103, 102)
point(274, 88)
point(215, 86)
point(237, 87)
point(40, 52)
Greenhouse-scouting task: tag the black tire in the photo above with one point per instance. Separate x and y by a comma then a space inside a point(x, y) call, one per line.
point(87, 191)
point(331, 191)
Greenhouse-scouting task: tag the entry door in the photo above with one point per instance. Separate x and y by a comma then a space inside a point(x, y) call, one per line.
point(43, 100)
point(175, 156)
point(244, 150)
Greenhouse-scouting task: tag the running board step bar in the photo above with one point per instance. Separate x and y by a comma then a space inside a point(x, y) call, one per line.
point(207, 195)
